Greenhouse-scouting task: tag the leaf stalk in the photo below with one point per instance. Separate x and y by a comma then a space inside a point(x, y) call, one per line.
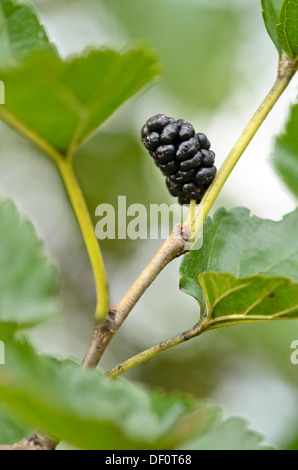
point(84, 220)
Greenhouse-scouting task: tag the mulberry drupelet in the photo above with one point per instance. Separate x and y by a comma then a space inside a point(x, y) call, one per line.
point(183, 156)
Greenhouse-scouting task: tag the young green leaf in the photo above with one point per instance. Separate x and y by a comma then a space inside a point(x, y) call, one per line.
point(27, 279)
point(285, 155)
point(91, 411)
point(287, 27)
point(20, 33)
point(270, 11)
point(247, 269)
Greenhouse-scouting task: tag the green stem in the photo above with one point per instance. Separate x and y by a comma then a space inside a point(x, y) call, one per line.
point(157, 349)
point(82, 214)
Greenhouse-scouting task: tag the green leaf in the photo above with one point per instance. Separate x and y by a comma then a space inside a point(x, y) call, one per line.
point(11, 431)
point(20, 33)
point(27, 279)
point(247, 269)
point(59, 103)
point(270, 10)
point(90, 411)
point(287, 27)
point(285, 156)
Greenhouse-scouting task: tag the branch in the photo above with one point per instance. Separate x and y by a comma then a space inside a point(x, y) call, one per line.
point(173, 247)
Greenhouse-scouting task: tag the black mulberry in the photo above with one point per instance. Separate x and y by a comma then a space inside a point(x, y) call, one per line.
point(182, 155)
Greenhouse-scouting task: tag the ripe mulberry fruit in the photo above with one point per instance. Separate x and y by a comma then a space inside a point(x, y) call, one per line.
point(183, 156)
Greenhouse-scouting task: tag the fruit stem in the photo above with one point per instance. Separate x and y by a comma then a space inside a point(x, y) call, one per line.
point(192, 215)
point(84, 220)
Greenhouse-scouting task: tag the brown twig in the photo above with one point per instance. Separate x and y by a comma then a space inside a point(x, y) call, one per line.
point(174, 246)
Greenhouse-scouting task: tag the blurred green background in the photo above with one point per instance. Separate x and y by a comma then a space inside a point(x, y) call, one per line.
point(218, 64)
